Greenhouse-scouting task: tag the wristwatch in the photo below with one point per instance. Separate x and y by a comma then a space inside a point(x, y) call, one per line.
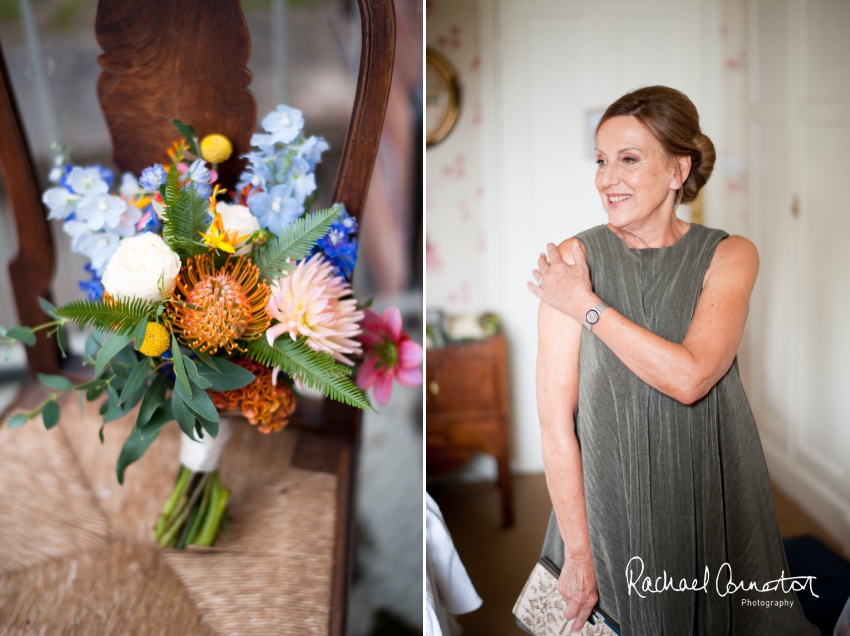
point(592, 316)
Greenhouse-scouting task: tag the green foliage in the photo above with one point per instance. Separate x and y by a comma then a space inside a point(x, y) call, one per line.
point(50, 414)
point(120, 316)
point(141, 438)
point(109, 350)
point(179, 369)
point(189, 133)
point(19, 419)
point(185, 216)
point(226, 376)
point(25, 334)
point(295, 243)
point(58, 382)
point(315, 370)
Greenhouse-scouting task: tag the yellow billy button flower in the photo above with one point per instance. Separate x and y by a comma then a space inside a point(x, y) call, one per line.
point(156, 340)
point(216, 148)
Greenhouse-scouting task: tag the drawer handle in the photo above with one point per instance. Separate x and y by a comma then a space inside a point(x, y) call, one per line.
point(434, 388)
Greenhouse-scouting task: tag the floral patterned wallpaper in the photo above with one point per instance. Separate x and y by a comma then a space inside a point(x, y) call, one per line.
point(456, 235)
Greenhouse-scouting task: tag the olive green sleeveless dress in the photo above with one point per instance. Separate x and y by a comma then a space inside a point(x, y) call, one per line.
point(683, 487)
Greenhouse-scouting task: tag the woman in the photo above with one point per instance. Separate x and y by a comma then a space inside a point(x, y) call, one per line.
point(658, 481)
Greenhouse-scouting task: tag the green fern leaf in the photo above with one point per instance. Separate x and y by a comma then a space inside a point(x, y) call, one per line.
point(186, 216)
point(120, 316)
point(314, 369)
point(295, 243)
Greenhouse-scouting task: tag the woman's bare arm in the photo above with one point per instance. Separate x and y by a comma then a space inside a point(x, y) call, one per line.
point(559, 339)
point(687, 371)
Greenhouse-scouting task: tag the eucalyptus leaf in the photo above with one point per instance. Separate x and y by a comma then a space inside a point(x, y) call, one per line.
point(19, 419)
point(128, 405)
point(24, 334)
point(140, 333)
point(58, 382)
point(50, 414)
point(122, 369)
point(8, 352)
point(109, 350)
point(200, 403)
point(182, 414)
point(153, 398)
point(140, 440)
point(94, 392)
point(189, 133)
point(179, 369)
point(139, 374)
point(93, 344)
point(194, 377)
point(207, 359)
point(97, 383)
point(47, 307)
point(62, 341)
point(227, 377)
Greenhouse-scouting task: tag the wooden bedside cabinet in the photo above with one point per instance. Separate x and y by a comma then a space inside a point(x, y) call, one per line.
point(466, 409)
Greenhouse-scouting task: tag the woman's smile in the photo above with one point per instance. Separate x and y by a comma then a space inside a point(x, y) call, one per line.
point(614, 200)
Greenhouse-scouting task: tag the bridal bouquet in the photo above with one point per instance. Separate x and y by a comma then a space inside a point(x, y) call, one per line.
point(202, 305)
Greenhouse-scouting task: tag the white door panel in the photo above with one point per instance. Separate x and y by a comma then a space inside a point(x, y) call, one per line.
point(799, 122)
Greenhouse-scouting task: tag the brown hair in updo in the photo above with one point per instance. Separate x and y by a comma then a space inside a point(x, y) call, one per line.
point(673, 119)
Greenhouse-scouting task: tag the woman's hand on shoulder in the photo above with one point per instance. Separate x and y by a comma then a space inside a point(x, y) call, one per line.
point(563, 279)
point(577, 585)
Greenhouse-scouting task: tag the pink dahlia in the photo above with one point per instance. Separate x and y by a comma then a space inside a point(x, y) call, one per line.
point(389, 354)
point(309, 301)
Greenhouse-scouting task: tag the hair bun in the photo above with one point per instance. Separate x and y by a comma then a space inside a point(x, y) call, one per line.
point(702, 165)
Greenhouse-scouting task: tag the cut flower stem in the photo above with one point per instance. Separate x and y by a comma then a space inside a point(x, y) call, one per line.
point(193, 513)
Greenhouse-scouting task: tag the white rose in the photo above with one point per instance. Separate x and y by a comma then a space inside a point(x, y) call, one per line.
point(238, 218)
point(140, 267)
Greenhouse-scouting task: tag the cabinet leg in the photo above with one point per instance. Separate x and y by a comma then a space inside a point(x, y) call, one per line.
point(505, 486)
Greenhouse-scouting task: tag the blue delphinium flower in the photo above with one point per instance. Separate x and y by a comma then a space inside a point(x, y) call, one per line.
point(311, 151)
point(302, 180)
point(275, 209)
point(106, 175)
point(61, 201)
point(93, 288)
point(87, 180)
point(340, 250)
point(152, 177)
point(338, 245)
point(284, 124)
point(101, 211)
point(200, 176)
point(347, 221)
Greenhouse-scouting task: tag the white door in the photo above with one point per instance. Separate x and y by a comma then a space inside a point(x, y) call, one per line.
point(799, 328)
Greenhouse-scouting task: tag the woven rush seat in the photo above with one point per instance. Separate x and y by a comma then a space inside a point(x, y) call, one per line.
point(77, 553)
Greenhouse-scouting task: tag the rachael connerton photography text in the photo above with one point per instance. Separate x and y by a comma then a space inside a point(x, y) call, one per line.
point(724, 583)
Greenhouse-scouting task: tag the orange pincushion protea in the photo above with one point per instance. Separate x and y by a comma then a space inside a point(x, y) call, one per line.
point(214, 308)
point(262, 402)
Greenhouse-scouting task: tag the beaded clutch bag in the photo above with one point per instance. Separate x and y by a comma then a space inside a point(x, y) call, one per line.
point(539, 610)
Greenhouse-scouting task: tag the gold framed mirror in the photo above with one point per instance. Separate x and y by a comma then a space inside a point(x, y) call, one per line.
point(442, 97)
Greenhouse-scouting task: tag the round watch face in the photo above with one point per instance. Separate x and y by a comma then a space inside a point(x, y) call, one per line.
point(592, 316)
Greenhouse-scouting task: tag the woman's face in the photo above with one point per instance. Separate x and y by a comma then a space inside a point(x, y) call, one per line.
point(636, 178)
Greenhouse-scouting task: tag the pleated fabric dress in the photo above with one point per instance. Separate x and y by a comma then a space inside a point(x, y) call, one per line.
point(682, 487)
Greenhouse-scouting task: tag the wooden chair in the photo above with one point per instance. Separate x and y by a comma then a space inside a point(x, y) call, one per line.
point(206, 44)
